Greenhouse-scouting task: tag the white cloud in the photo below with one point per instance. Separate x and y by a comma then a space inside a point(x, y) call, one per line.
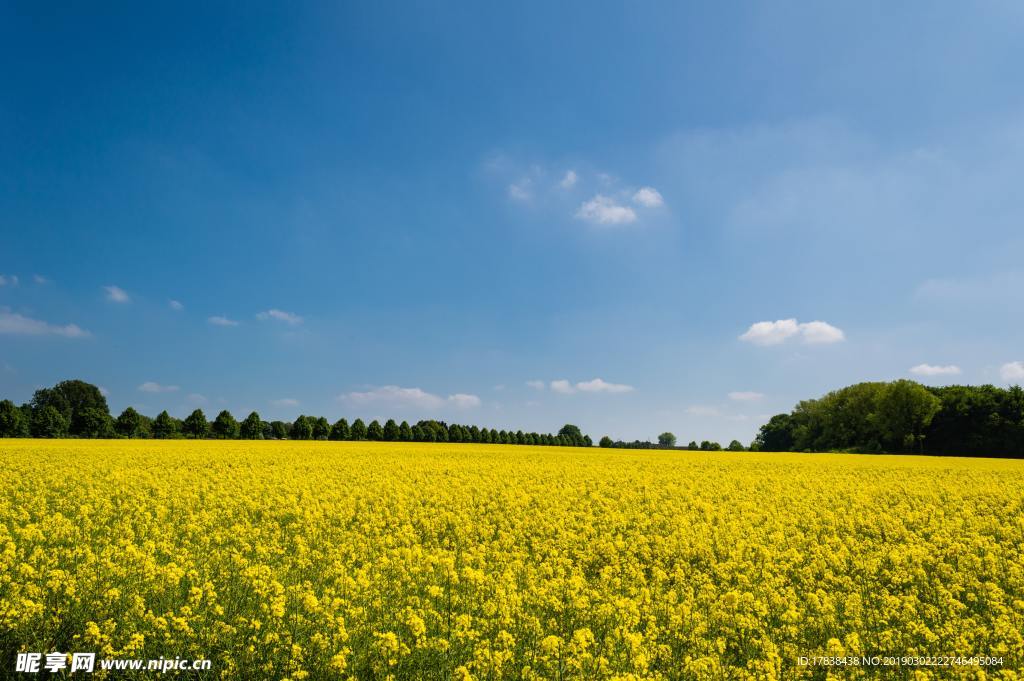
point(11, 279)
point(116, 294)
point(536, 385)
point(1012, 372)
point(569, 180)
point(196, 398)
point(281, 316)
point(562, 387)
point(175, 305)
point(153, 387)
point(745, 396)
point(935, 370)
point(464, 401)
point(520, 191)
point(770, 333)
point(285, 402)
point(15, 324)
point(598, 385)
point(818, 332)
point(40, 279)
point(604, 210)
point(411, 397)
point(701, 410)
point(648, 197)
point(222, 321)
point(774, 333)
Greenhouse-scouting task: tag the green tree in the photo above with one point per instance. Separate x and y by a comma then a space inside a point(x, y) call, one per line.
point(196, 425)
point(252, 427)
point(164, 426)
point(904, 412)
point(605, 442)
point(358, 430)
point(735, 446)
point(707, 446)
point(374, 431)
point(48, 421)
point(71, 399)
point(129, 423)
point(321, 428)
point(279, 430)
point(340, 430)
point(776, 435)
point(302, 428)
point(571, 434)
point(667, 439)
point(225, 427)
point(12, 421)
point(405, 432)
point(391, 433)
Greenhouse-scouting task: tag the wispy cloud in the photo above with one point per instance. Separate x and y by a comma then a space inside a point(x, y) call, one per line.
point(597, 385)
point(285, 402)
point(536, 385)
point(521, 191)
point(935, 370)
point(116, 294)
point(196, 398)
point(398, 396)
point(14, 324)
point(154, 387)
point(1012, 372)
point(281, 316)
point(569, 180)
point(702, 410)
point(175, 305)
point(604, 210)
point(8, 280)
point(745, 396)
point(221, 321)
point(40, 279)
point(781, 330)
point(648, 197)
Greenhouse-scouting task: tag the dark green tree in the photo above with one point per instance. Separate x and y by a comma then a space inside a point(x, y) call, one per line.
point(71, 399)
point(48, 421)
point(358, 430)
point(571, 434)
point(321, 428)
point(735, 446)
point(391, 433)
point(164, 426)
point(302, 428)
point(777, 435)
point(252, 427)
point(374, 431)
point(605, 442)
point(667, 439)
point(12, 421)
point(225, 427)
point(279, 430)
point(405, 432)
point(341, 431)
point(196, 425)
point(129, 423)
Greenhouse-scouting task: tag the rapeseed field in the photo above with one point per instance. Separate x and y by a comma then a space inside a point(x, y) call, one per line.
point(336, 560)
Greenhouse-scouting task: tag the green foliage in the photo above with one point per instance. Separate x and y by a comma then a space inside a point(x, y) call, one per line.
point(321, 428)
point(374, 431)
point(735, 446)
point(164, 426)
point(48, 421)
point(252, 427)
point(225, 427)
point(708, 446)
point(71, 399)
point(340, 431)
point(405, 432)
point(196, 425)
point(129, 423)
point(12, 421)
point(391, 433)
point(667, 439)
point(302, 428)
point(279, 430)
point(358, 430)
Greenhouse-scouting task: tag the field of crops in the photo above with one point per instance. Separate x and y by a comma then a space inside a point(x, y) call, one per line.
point(374, 560)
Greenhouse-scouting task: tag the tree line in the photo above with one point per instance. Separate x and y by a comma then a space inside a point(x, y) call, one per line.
point(78, 409)
point(667, 440)
point(903, 417)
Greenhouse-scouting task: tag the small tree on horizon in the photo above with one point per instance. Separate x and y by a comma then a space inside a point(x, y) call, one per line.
point(196, 425)
point(252, 427)
point(225, 427)
point(667, 439)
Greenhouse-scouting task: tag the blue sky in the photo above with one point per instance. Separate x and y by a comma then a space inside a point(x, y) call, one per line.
point(635, 217)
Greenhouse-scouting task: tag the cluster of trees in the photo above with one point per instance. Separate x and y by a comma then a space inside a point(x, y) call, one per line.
point(668, 441)
point(903, 417)
point(78, 409)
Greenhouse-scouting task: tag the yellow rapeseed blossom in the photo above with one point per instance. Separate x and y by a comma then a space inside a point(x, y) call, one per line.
point(323, 560)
